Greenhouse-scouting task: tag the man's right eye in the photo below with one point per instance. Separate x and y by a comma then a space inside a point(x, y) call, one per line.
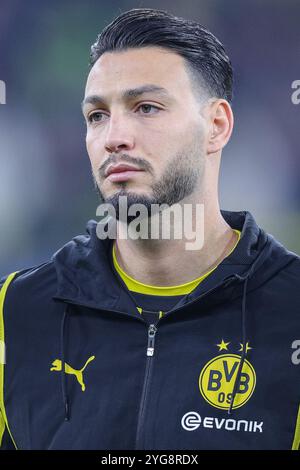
point(96, 117)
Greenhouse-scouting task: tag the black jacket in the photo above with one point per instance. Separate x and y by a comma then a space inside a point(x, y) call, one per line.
point(222, 373)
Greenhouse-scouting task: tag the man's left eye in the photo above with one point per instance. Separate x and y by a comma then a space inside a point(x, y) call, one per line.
point(146, 108)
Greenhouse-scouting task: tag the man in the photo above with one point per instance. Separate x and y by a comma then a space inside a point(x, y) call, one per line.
point(141, 343)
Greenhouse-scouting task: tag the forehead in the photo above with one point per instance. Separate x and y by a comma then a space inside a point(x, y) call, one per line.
point(115, 71)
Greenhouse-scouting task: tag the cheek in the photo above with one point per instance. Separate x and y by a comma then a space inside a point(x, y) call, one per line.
point(93, 149)
point(172, 132)
point(160, 140)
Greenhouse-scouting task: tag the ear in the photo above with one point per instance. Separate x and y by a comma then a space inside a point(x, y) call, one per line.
point(220, 125)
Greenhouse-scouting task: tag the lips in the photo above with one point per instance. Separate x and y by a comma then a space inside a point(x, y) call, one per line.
point(122, 172)
point(120, 169)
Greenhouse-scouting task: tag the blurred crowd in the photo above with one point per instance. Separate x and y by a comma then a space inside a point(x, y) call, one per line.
point(46, 191)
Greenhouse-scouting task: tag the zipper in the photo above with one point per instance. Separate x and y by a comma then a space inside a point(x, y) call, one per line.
point(151, 339)
point(152, 329)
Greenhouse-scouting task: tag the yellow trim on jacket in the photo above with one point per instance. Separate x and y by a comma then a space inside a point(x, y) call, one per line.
point(296, 440)
point(3, 417)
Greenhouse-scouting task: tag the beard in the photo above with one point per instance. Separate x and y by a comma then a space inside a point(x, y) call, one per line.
point(180, 179)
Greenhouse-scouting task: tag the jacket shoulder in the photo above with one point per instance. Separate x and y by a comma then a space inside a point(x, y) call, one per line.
point(293, 268)
point(31, 277)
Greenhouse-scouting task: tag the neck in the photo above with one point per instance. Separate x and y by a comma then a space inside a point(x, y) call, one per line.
point(161, 262)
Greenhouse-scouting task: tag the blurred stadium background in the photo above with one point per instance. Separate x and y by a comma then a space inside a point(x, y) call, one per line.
point(46, 191)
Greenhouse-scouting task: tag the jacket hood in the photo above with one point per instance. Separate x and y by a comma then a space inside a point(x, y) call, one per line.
point(85, 275)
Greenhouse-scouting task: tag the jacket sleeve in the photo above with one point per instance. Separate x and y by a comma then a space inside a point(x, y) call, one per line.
point(5, 440)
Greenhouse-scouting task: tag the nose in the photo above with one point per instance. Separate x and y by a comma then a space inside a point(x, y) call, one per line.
point(119, 136)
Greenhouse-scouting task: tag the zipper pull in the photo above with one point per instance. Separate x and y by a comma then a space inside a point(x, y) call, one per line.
point(151, 337)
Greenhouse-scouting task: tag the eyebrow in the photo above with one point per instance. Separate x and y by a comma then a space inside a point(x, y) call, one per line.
point(128, 94)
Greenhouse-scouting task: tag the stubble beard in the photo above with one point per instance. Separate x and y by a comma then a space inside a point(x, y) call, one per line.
point(181, 178)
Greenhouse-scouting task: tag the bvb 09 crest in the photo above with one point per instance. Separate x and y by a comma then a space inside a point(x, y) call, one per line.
point(217, 378)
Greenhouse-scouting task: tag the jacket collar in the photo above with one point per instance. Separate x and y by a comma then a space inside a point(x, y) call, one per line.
point(85, 274)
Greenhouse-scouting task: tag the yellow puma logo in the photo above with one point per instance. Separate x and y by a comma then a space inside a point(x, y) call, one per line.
point(57, 365)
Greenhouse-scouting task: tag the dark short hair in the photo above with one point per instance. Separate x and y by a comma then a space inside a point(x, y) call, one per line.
point(204, 54)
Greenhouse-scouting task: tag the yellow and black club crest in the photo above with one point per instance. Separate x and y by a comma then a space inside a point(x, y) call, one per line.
point(217, 378)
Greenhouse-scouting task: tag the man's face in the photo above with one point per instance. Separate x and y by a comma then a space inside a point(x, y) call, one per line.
point(157, 127)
